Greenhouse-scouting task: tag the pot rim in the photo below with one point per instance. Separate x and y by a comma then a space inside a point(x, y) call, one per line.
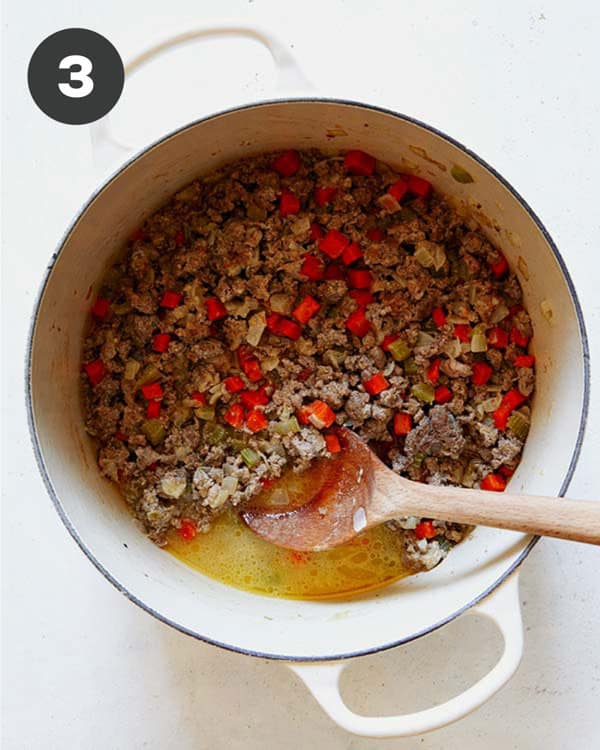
point(29, 398)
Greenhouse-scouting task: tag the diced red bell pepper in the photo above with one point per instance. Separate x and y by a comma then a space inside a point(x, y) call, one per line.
point(375, 235)
point(359, 163)
point(121, 436)
point(95, 371)
point(250, 399)
point(501, 415)
point(251, 368)
point(357, 323)
point(171, 300)
point(362, 296)
point(493, 482)
point(513, 399)
point(306, 309)
point(316, 231)
point(433, 371)
point(506, 471)
point(420, 187)
point(235, 415)
point(303, 414)
point(160, 342)
point(321, 415)
point(426, 530)
point(439, 316)
point(498, 338)
point(199, 398)
point(332, 443)
point(333, 243)
point(518, 338)
point(287, 163)
point(334, 272)
point(215, 309)
point(524, 360)
point(500, 267)
point(100, 308)
point(273, 320)
point(442, 394)
point(188, 529)
point(243, 352)
point(256, 421)
point(324, 195)
point(462, 332)
point(289, 203)
point(153, 409)
point(234, 383)
point(351, 253)
point(360, 278)
point(312, 267)
point(376, 384)
point(179, 238)
point(402, 423)
point(138, 235)
point(510, 401)
point(512, 311)
point(290, 329)
point(304, 374)
point(482, 372)
point(281, 326)
point(152, 391)
point(398, 190)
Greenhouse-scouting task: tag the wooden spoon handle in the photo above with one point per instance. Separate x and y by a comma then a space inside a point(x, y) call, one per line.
point(577, 520)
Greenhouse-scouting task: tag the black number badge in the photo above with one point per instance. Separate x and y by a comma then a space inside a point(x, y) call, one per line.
point(75, 76)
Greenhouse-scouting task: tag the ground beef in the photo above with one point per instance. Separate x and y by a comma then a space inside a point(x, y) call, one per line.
point(201, 290)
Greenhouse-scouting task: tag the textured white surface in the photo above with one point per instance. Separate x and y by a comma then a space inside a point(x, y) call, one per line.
point(82, 667)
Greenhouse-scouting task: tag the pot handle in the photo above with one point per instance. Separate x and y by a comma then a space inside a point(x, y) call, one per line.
point(503, 607)
point(290, 78)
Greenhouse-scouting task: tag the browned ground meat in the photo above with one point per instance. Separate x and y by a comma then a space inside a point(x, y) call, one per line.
point(224, 237)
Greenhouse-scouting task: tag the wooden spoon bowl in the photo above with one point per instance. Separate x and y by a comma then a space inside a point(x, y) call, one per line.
point(354, 491)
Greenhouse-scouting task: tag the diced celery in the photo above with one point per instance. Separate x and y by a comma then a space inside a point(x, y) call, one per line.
point(132, 367)
point(207, 413)
point(154, 431)
point(399, 350)
point(423, 392)
point(250, 457)
point(410, 366)
point(462, 269)
point(287, 426)
point(518, 424)
point(256, 213)
point(461, 175)
point(149, 374)
point(181, 414)
point(214, 433)
point(406, 214)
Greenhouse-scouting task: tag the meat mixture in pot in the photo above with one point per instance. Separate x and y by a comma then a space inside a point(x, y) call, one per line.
point(287, 293)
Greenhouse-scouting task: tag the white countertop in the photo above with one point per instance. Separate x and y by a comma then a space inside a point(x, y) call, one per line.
point(84, 668)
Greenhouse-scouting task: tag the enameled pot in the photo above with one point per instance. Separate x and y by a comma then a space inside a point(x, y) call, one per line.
point(315, 638)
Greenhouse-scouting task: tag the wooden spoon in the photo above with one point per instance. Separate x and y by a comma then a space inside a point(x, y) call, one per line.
point(355, 491)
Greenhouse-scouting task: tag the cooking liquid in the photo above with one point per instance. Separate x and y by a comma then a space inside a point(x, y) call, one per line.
point(234, 555)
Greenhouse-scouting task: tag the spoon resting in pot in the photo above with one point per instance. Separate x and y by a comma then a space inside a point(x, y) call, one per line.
point(355, 491)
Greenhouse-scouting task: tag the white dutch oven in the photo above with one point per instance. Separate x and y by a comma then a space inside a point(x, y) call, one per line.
point(315, 638)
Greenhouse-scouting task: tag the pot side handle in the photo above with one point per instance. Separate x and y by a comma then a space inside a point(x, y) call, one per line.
point(502, 606)
point(290, 78)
